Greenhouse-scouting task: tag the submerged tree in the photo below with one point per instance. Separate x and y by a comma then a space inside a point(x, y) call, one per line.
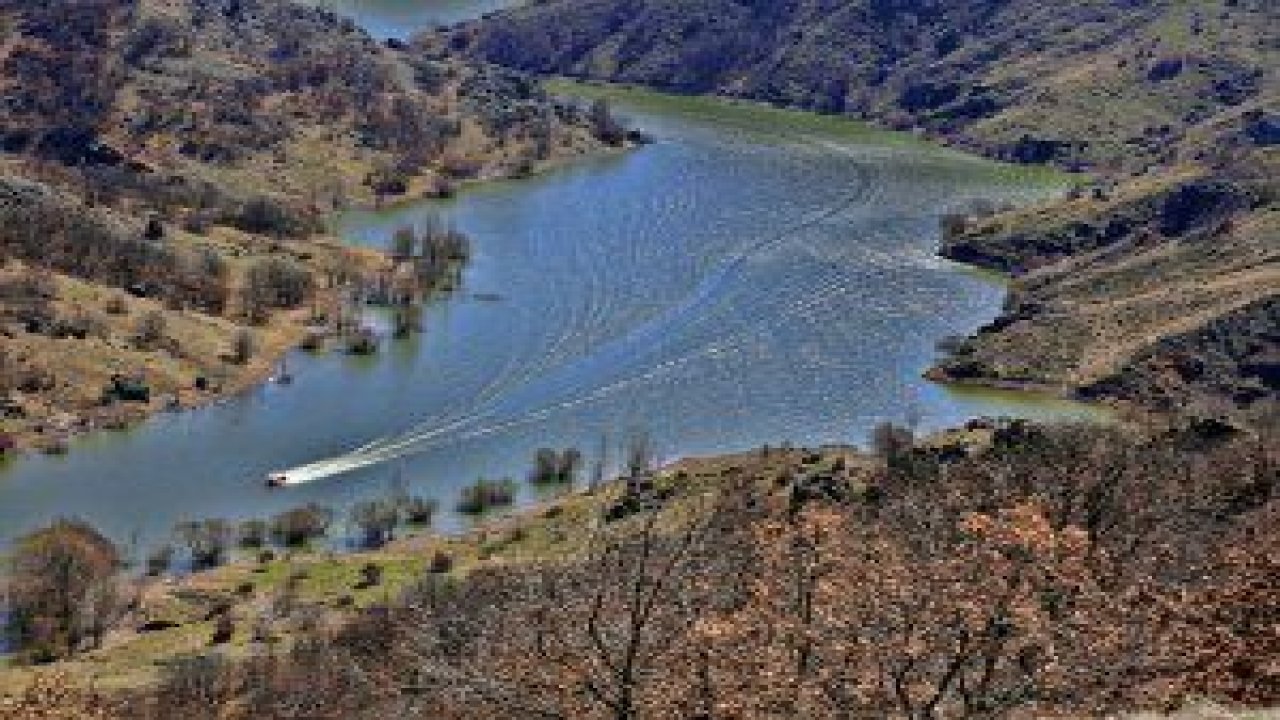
point(552, 467)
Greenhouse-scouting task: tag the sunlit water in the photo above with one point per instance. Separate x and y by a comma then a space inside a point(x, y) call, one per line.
point(402, 18)
point(731, 285)
point(754, 277)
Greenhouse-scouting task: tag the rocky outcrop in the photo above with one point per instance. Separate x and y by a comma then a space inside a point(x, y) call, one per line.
point(1235, 357)
point(1264, 129)
point(1200, 206)
point(1158, 296)
point(1192, 208)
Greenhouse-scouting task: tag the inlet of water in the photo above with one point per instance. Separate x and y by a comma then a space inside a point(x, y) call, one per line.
point(756, 276)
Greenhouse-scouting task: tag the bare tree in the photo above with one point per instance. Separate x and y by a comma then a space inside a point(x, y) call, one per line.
point(244, 345)
point(615, 620)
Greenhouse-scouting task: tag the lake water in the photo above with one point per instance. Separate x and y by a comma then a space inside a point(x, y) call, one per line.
point(402, 18)
point(755, 276)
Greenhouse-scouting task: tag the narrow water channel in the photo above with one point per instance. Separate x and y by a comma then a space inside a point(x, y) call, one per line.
point(402, 18)
point(754, 277)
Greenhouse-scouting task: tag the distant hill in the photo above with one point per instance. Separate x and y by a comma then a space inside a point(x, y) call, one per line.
point(1096, 82)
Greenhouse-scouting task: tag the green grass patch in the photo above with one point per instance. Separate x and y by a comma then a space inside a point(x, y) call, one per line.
point(771, 123)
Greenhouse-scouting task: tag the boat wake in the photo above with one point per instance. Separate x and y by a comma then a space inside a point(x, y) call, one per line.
point(706, 324)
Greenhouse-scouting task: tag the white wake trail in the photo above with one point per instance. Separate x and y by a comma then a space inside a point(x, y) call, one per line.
point(681, 315)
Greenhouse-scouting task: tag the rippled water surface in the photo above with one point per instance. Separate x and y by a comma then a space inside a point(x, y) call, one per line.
point(754, 276)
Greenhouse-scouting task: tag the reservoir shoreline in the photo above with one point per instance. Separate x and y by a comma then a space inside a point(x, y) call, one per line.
point(780, 304)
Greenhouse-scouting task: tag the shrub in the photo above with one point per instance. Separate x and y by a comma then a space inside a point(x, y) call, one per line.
point(274, 283)
point(207, 541)
point(555, 468)
point(126, 389)
point(253, 533)
point(267, 216)
point(370, 576)
point(417, 510)
point(223, 629)
point(604, 125)
point(458, 166)
point(441, 563)
point(404, 243)
point(891, 441)
point(116, 305)
point(299, 526)
point(159, 560)
point(313, 342)
point(954, 224)
point(375, 520)
point(362, 342)
point(150, 329)
point(406, 320)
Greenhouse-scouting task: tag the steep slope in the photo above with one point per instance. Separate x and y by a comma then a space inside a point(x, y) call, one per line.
point(1085, 83)
point(1157, 295)
point(260, 95)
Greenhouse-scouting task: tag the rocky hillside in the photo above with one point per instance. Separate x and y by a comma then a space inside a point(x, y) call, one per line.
point(1094, 83)
point(1159, 293)
point(1234, 354)
point(259, 96)
point(1174, 108)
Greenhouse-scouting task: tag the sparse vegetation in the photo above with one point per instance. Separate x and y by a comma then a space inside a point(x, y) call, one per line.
point(183, 155)
point(1170, 107)
point(1004, 570)
point(998, 581)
